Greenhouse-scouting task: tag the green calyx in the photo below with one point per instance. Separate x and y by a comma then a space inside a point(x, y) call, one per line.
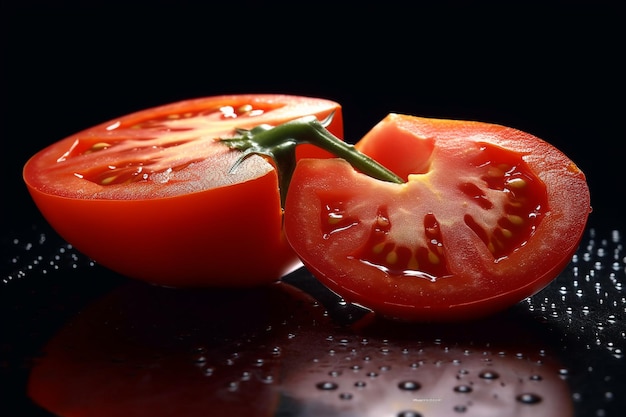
point(279, 143)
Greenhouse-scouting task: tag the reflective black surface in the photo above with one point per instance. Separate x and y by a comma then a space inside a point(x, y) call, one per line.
point(80, 336)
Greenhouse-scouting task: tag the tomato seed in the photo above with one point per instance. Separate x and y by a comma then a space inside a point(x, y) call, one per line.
point(516, 183)
point(516, 220)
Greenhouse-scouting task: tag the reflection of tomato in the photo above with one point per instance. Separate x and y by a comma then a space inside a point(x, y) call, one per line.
point(493, 368)
point(150, 195)
point(151, 351)
point(489, 216)
point(144, 350)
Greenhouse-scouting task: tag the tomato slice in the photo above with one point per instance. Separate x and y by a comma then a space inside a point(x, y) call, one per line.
point(150, 195)
point(489, 215)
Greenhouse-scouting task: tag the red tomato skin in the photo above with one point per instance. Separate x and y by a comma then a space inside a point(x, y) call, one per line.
point(189, 240)
point(477, 288)
point(226, 236)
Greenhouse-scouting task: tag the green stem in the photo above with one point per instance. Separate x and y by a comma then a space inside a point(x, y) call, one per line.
point(280, 142)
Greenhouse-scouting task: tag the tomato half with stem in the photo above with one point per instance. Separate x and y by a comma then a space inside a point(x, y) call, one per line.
point(488, 215)
point(151, 195)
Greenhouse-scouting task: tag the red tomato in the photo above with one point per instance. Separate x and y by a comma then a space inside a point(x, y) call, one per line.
point(149, 194)
point(489, 215)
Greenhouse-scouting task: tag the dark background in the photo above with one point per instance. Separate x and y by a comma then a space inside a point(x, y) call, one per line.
point(551, 69)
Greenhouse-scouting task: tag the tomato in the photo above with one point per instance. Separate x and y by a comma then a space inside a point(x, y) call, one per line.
point(489, 215)
point(150, 196)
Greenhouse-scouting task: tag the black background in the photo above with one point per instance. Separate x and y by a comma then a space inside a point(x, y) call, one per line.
point(552, 69)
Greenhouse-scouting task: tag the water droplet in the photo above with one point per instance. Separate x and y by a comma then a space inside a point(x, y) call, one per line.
point(463, 389)
point(489, 375)
point(536, 378)
point(200, 360)
point(345, 396)
point(409, 413)
point(529, 398)
point(327, 386)
point(360, 384)
point(409, 385)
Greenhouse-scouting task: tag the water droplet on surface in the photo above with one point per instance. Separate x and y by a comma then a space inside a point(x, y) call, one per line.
point(409, 385)
point(489, 375)
point(326, 386)
point(345, 396)
point(409, 413)
point(463, 389)
point(529, 398)
point(460, 408)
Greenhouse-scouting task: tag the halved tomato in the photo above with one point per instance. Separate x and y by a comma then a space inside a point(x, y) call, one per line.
point(150, 195)
point(489, 215)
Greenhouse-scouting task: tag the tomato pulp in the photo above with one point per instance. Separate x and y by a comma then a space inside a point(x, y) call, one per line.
point(150, 195)
point(488, 215)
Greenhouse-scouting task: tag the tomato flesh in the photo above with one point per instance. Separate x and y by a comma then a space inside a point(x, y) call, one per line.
point(151, 195)
point(488, 216)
